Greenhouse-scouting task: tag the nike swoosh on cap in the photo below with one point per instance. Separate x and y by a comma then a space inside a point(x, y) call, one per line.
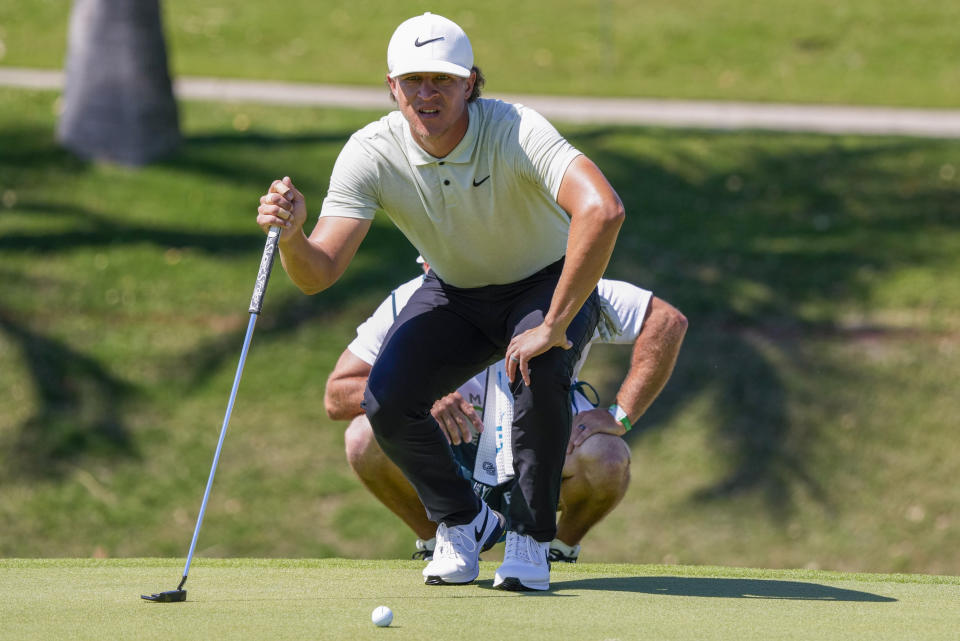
point(417, 43)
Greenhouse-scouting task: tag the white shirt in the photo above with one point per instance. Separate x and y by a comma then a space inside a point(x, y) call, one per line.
point(495, 193)
point(627, 304)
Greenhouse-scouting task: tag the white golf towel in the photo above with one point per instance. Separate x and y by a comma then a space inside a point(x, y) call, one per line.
point(494, 464)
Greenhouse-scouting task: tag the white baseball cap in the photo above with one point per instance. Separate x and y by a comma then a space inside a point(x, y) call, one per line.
point(429, 44)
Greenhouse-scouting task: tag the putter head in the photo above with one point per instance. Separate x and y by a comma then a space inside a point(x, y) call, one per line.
point(170, 596)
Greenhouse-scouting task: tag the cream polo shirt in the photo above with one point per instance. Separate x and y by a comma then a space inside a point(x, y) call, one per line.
point(485, 214)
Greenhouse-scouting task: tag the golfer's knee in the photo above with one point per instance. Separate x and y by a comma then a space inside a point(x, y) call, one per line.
point(382, 410)
point(391, 411)
point(548, 394)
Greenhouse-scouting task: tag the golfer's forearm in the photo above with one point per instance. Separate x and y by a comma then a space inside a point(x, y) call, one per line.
point(309, 267)
point(593, 234)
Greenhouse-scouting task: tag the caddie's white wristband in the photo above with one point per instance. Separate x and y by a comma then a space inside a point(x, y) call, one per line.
point(617, 412)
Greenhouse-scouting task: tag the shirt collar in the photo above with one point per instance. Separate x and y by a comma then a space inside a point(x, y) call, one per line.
point(462, 153)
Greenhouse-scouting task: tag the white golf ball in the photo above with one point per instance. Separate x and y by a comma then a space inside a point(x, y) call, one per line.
point(382, 616)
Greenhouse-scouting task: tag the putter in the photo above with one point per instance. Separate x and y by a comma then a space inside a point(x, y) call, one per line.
point(263, 276)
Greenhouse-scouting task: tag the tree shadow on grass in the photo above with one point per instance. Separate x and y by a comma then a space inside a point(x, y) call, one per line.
point(722, 588)
point(284, 316)
point(81, 404)
point(743, 239)
point(92, 229)
point(79, 407)
point(764, 451)
point(739, 236)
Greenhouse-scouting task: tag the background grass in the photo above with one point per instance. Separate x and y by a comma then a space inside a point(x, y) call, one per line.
point(810, 421)
point(839, 51)
point(332, 599)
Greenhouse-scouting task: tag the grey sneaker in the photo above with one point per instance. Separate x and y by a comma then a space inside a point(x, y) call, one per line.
point(525, 565)
point(456, 559)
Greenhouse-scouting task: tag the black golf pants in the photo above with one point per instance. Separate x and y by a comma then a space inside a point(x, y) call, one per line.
point(441, 338)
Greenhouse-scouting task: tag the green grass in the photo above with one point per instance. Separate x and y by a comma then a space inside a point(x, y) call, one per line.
point(847, 51)
point(332, 599)
point(810, 421)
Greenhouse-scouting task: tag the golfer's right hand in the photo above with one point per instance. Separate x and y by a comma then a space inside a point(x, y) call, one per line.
point(283, 206)
point(457, 418)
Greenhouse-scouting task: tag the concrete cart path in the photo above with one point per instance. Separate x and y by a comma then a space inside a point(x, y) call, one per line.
point(835, 119)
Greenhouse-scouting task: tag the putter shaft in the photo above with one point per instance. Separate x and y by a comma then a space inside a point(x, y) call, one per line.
point(216, 456)
point(263, 277)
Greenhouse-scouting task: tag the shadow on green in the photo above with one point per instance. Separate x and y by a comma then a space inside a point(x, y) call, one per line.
point(723, 588)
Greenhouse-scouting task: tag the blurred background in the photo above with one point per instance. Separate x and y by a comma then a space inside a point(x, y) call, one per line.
point(812, 417)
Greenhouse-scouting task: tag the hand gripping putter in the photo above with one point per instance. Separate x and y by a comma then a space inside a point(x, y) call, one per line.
point(266, 265)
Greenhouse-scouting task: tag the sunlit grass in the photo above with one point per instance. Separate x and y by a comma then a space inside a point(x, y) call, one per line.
point(808, 422)
point(851, 51)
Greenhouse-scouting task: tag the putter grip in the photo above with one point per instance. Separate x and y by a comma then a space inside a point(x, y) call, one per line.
point(266, 266)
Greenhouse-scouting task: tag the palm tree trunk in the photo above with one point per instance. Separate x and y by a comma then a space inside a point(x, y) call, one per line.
point(118, 99)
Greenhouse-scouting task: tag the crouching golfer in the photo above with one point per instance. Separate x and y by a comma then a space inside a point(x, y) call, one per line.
point(452, 171)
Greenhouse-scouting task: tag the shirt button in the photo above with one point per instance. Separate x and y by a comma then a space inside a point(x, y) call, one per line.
point(446, 182)
point(442, 163)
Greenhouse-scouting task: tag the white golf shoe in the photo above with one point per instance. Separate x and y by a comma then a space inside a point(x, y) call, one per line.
point(456, 558)
point(525, 565)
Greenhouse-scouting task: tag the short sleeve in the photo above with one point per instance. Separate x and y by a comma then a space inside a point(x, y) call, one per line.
point(354, 185)
point(547, 152)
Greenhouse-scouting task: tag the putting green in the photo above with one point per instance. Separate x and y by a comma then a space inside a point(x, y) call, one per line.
point(333, 598)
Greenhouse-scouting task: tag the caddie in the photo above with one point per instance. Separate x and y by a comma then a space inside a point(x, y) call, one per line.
point(596, 471)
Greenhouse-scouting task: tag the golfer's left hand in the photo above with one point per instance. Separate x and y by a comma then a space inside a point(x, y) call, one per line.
point(283, 206)
point(530, 344)
point(596, 421)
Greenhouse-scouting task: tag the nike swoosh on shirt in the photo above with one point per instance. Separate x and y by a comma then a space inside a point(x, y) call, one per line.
point(477, 183)
point(478, 533)
point(417, 43)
